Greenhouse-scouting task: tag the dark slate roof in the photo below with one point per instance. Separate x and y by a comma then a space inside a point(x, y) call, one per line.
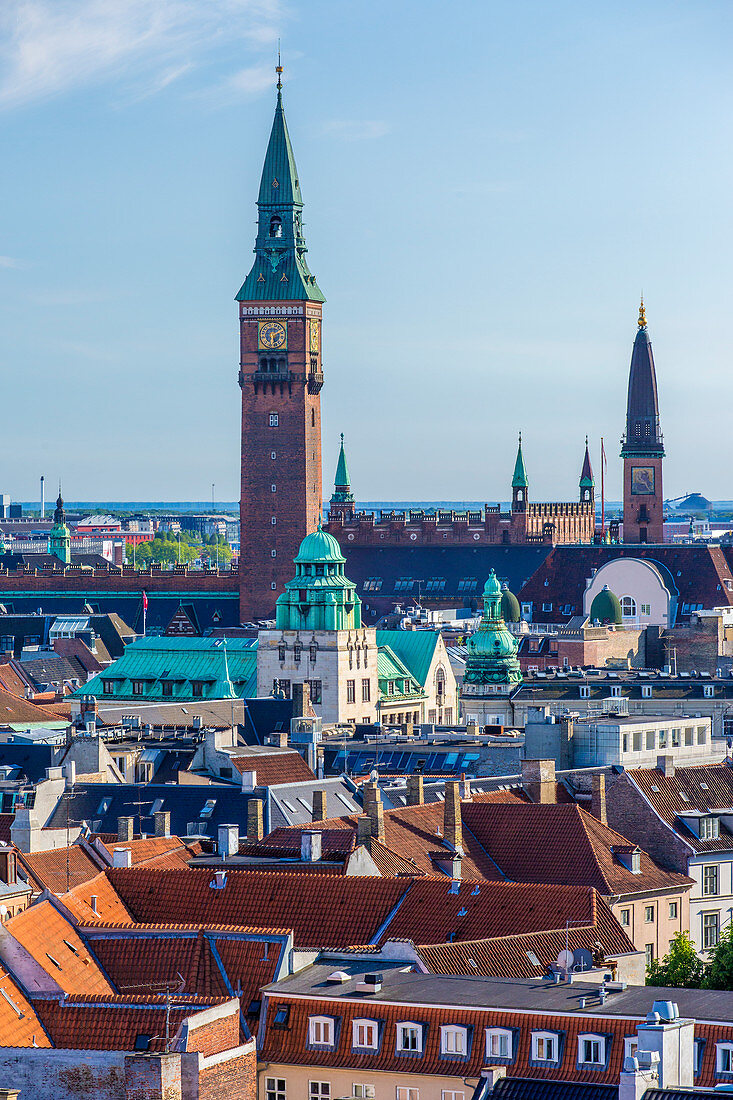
point(520, 1088)
point(220, 611)
point(31, 759)
point(265, 716)
point(49, 668)
point(513, 564)
point(643, 433)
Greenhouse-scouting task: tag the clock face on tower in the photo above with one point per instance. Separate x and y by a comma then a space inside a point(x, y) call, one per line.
point(272, 335)
point(314, 336)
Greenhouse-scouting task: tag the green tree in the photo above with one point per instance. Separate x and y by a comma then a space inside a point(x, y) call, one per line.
point(681, 968)
point(719, 973)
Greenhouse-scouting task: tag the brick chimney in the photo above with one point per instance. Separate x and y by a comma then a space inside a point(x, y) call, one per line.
point(376, 816)
point(538, 780)
point(8, 867)
point(162, 822)
point(415, 792)
point(319, 806)
point(364, 830)
point(452, 824)
point(465, 788)
point(125, 828)
point(301, 700)
point(598, 799)
point(255, 827)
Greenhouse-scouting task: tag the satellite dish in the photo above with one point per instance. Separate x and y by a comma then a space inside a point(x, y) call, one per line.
point(583, 959)
point(565, 960)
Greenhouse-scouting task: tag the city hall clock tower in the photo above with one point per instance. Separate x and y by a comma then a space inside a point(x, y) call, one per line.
point(642, 447)
point(280, 375)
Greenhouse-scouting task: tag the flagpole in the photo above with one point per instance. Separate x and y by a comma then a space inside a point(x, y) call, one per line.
point(603, 493)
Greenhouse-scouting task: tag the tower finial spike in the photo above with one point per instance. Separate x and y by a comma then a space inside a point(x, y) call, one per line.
point(642, 312)
point(279, 69)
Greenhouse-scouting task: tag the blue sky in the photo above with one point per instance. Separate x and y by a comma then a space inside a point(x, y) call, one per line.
point(488, 187)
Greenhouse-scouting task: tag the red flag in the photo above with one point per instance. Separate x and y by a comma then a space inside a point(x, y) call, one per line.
point(145, 601)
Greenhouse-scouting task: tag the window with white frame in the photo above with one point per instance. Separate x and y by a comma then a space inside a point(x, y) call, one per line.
point(448, 1094)
point(407, 1094)
point(320, 1030)
point(591, 1050)
point(709, 828)
point(319, 1090)
point(498, 1042)
point(365, 1034)
point(724, 1057)
point(409, 1038)
point(275, 1088)
point(544, 1046)
point(584, 691)
point(631, 1044)
point(363, 1092)
point(453, 1040)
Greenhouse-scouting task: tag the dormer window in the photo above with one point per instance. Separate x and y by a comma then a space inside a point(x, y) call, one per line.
point(365, 1034)
point(724, 1057)
point(646, 691)
point(321, 1031)
point(592, 1050)
point(545, 1046)
point(453, 1040)
point(409, 1038)
point(709, 828)
point(276, 226)
point(498, 1043)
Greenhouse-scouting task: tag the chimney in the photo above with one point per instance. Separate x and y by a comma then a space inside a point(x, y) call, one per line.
point(598, 799)
point(8, 867)
point(364, 829)
point(93, 904)
point(465, 788)
point(310, 847)
point(255, 828)
point(301, 700)
point(70, 773)
point(228, 841)
point(280, 738)
point(125, 828)
point(122, 857)
point(415, 793)
point(665, 764)
point(249, 781)
point(376, 817)
point(452, 825)
point(671, 1038)
point(319, 806)
point(640, 1072)
point(9, 1094)
point(538, 780)
point(162, 822)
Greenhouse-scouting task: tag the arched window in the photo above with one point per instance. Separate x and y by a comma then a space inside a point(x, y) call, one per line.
point(276, 226)
point(520, 495)
point(440, 682)
point(628, 607)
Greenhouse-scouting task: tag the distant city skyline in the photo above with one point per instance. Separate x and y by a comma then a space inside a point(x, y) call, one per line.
point(486, 197)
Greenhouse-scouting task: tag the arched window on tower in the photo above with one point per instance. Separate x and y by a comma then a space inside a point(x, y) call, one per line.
point(276, 226)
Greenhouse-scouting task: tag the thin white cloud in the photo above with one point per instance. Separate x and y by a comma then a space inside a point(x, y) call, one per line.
point(48, 47)
point(10, 262)
point(355, 130)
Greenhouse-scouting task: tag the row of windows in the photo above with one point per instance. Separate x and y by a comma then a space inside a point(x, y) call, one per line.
point(648, 740)
point(282, 688)
point(455, 1041)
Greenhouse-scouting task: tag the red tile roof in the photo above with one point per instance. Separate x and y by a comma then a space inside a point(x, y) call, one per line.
point(134, 960)
point(55, 945)
point(108, 906)
point(667, 798)
point(60, 869)
point(155, 851)
point(15, 709)
point(289, 1046)
point(275, 767)
point(563, 844)
point(113, 1022)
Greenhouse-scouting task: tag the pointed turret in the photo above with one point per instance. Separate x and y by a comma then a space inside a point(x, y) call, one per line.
point(587, 482)
point(341, 505)
point(520, 481)
point(59, 537)
point(280, 270)
point(642, 448)
point(643, 433)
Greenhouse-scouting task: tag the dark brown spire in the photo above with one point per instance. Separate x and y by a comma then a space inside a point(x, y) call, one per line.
point(643, 433)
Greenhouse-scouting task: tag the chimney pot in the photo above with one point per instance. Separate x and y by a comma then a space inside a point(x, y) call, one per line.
point(255, 827)
point(319, 806)
point(125, 827)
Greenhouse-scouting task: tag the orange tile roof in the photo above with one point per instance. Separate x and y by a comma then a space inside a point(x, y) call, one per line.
point(16, 708)
point(55, 945)
point(11, 681)
point(134, 961)
point(562, 844)
point(19, 1025)
point(60, 869)
point(665, 794)
point(108, 905)
point(275, 767)
point(154, 851)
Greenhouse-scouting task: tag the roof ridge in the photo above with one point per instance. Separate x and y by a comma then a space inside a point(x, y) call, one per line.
point(604, 878)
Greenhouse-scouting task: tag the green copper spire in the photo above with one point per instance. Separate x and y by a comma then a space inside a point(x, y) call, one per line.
point(492, 650)
point(342, 493)
point(59, 537)
point(280, 270)
point(520, 479)
point(586, 474)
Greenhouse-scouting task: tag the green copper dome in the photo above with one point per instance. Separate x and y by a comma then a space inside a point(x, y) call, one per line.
point(319, 546)
point(492, 650)
point(510, 611)
point(606, 608)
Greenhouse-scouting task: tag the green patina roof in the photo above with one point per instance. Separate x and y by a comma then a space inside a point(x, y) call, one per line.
point(415, 649)
point(510, 610)
point(342, 484)
point(492, 649)
point(606, 608)
point(390, 667)
point(520, 479)
point(227, 671)
point(280, 270)
point(319, 547)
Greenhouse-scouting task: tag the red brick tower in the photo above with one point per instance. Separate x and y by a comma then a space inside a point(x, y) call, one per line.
point(642, 447)
point(280, 376)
